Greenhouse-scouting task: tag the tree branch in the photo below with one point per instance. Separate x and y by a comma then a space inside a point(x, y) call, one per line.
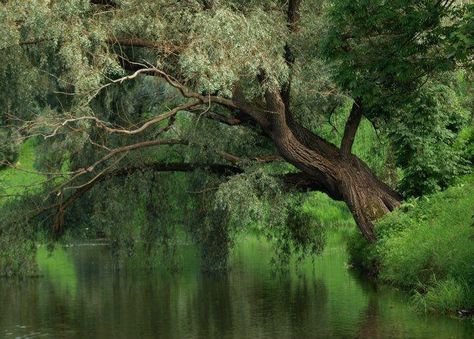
point(237, 103)
point(58, 225)
point(291, 181)
point(116, 151)
point(350, 130)
point(231, 121)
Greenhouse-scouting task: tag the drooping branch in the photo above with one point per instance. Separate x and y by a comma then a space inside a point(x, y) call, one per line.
point(61, 207)
point(292, 182)
point(241, 111)
point(56, 126)
point(351, 127)
point(117, 151)
point(236, 103)
point(151, 122)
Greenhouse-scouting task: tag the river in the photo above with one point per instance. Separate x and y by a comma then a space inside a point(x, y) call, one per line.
point(81, 296)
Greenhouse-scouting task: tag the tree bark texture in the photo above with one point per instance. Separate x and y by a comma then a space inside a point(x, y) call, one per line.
point(334, 170)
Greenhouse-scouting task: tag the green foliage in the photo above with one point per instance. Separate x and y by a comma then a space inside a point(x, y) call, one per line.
point(391, 55)
point(58, 59)
point(18, 256)
point(146, 229)
point(247, 46)
point(324, 211)
point(248, 198)
point(426, 247)
point(306, 236)
point(17, 242)
point(465, 143)
point(424, 135)
point(209, 226)
point(383, 49)
point(462, 39)
point(444, 296)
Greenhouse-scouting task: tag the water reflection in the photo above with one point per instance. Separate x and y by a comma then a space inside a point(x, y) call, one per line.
point(82, 297)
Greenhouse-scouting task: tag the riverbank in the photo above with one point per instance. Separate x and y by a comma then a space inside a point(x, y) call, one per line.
point(426, 248)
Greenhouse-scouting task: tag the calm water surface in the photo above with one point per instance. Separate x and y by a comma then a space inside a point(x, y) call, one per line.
point(80, 296)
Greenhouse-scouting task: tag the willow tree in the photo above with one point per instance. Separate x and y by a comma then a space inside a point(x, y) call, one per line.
point(271, 71)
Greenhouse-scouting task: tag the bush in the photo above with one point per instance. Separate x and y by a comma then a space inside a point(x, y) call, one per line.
point(465, 143)
point(427, 247)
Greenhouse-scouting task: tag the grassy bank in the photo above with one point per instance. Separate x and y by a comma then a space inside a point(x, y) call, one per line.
point(427, 248)
point(22, 178)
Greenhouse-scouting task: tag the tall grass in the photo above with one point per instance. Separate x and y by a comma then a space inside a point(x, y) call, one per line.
point(426, 247)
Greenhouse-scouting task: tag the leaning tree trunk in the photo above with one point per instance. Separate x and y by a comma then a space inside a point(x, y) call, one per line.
point(334, 170)
point(366, 196)
point(344, 178)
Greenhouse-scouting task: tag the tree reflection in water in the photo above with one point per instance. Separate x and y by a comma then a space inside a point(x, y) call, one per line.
point(81, 296)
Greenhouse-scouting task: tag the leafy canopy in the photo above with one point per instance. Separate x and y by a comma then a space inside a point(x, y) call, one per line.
point(70, 81)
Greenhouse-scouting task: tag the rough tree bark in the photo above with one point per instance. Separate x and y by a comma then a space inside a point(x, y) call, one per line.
point(338, 172)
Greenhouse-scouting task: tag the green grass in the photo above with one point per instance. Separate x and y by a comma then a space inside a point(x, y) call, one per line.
point(23, 178)
point(426, 247)
point(327, 212)
point(444, 296)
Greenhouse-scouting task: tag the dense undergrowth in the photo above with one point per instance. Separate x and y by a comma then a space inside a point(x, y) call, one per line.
point(427, 248)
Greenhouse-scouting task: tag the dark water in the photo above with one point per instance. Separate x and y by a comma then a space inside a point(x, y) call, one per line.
point(81, 297)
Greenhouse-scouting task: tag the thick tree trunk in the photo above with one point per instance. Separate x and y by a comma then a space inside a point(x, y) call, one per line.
point(336, 171)
point(347, 179)
point(367, 197)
